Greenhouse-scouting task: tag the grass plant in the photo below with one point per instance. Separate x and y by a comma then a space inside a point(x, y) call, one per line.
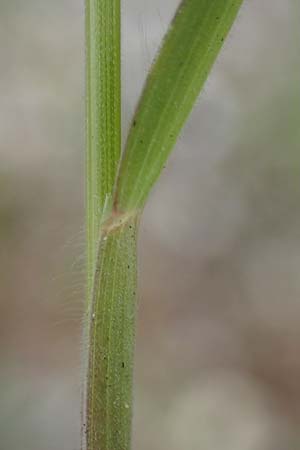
point(118, 185)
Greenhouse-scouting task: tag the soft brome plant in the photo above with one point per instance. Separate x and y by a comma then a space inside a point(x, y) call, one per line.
point(118, 185)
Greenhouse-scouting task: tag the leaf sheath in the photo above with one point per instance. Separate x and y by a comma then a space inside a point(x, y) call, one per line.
point(108, 408)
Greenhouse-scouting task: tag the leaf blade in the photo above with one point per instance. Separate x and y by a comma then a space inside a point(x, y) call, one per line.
point(190, 48)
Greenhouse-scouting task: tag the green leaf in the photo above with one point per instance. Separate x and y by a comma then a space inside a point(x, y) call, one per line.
point(103, 114)
point(189, 50)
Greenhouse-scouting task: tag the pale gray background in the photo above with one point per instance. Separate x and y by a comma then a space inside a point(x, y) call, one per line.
point(218, 363)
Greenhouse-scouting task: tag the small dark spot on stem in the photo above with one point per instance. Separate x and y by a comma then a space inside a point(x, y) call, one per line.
point(123, 364)
point(134, 123)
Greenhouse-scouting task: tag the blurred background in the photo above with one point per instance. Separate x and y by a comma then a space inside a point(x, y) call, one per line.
point(217, 364)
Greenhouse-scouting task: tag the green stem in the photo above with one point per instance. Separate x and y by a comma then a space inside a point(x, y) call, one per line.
point(103, 143)
point(103, 115)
